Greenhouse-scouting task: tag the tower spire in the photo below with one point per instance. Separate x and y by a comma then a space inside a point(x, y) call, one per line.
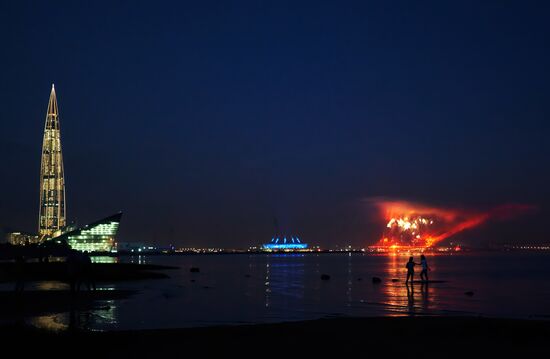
point(52, 104)
point(52, 213)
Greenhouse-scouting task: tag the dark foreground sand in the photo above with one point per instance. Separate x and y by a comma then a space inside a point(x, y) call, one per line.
point(354, 337)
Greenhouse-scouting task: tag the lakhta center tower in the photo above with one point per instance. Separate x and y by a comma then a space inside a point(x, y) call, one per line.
point(52, 214)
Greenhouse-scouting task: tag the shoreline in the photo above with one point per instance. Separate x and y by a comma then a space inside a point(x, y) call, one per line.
point(354, 251)
point(465, 252)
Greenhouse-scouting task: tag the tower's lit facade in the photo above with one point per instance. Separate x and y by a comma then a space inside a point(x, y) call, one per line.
point(52, 213)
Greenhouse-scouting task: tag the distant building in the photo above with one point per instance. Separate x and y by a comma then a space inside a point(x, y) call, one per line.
point(284, 243)
point(52, 214)
point(99, 236)
point(138, 247)
point(22, 239)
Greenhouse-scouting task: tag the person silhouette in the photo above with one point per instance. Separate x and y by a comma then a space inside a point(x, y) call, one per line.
point(410, 270)
point(425, 268)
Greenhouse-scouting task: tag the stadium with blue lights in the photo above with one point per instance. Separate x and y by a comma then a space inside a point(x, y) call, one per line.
point(284, 243)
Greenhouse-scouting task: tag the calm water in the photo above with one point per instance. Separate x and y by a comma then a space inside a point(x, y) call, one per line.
point(232, 289)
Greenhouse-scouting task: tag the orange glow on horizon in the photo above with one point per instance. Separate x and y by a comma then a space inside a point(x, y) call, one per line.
point(413, 225)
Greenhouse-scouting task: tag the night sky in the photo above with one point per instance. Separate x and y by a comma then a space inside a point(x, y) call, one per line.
point(203, 121)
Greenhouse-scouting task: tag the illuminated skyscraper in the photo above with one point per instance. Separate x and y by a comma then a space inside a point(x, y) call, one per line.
point(52, 214)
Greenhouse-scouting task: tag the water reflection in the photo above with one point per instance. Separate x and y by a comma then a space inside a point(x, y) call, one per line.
point(51, 322)
point(284, 278)
point(138, 259)
point(425, 291)
point(267, 285)
point(410, 297)
point(350, 282)
point(395, 292)
point(103, 315)
point(104, 259)
point(407, 299)
point(51, 285)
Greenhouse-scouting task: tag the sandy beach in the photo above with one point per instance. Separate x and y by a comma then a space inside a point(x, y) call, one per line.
point(416, 337)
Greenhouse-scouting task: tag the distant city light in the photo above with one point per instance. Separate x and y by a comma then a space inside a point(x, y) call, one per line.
point(286, 246)
point(292, 243)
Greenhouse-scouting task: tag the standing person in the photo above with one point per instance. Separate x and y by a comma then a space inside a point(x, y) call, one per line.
point(410, 270)
point(425, 268)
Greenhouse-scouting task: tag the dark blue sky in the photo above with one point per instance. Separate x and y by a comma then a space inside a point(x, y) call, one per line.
point(203, 120)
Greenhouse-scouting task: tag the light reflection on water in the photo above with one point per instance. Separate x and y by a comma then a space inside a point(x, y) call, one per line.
point(51, 322)
point(104, 259)
point(103, 314)
point(233, 289)
point(51, 285)
point(415, 298)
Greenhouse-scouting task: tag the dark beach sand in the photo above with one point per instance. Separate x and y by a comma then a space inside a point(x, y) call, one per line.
point(441, 337)
point(110, 272)
point(35, 302)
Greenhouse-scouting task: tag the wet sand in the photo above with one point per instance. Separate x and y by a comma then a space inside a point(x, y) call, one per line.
point(412, 337)
point(111, 272)
point(35, 302)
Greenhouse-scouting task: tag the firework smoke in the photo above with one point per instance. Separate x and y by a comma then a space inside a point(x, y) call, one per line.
point(411, 224)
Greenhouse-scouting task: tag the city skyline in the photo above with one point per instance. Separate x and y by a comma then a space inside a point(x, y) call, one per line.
point(203, 123)
point(211, 173)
